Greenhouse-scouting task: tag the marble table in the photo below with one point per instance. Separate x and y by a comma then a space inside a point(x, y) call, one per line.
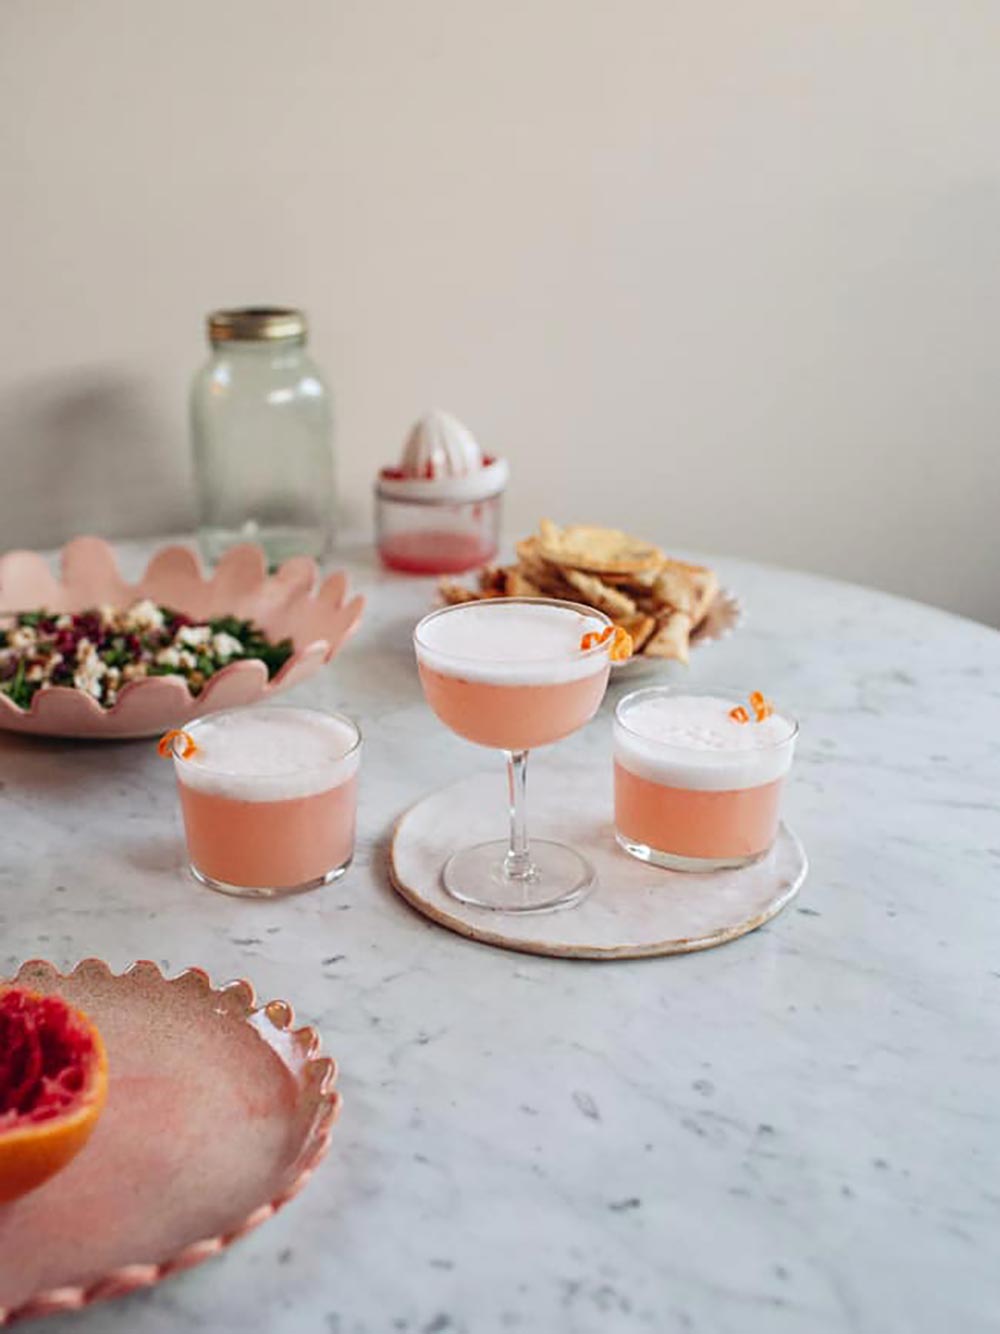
point(795, 1132)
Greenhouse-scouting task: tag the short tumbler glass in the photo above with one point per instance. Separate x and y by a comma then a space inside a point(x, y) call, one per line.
point(276, 827)
point(688, 803)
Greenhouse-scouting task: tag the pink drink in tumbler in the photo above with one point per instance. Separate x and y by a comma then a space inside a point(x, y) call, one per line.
point(269, 798)
point(696, 789)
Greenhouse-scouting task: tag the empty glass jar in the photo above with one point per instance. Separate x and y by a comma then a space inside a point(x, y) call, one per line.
point(261, 433)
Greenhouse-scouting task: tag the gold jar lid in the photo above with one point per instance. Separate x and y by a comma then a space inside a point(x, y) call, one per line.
point(255, 324)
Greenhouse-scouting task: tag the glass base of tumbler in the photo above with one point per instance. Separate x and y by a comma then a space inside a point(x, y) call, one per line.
point(672, 861)
point(266, 891)
point(559, 878)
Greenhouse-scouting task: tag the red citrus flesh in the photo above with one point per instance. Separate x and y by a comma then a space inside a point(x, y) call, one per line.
point(53, 1083)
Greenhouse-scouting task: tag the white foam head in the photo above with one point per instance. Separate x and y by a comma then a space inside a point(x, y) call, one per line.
point(270, 754)
point(510, 642)
point(690, 741)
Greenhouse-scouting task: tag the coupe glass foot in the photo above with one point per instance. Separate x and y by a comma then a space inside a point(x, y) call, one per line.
point(559, 878)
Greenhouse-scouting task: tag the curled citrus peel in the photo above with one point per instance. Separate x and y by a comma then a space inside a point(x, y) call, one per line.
point(620, 649)
point(762, 708)
point(165, 745)
point(594, 637)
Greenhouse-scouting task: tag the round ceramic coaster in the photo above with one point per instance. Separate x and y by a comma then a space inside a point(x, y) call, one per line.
point(635, 911)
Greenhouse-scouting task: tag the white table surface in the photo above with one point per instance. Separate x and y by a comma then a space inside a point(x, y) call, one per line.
point(795, 1132)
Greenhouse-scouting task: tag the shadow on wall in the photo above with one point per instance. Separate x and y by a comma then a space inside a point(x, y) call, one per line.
point(87, 451)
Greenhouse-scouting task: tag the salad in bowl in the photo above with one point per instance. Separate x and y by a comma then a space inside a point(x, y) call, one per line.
point(89, 655)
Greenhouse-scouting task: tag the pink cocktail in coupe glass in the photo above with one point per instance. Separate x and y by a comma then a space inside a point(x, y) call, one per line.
point(269, 798)
point(510, 673)
point(697, 789)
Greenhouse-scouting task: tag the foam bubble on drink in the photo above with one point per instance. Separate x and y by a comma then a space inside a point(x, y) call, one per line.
point(519, 643)
point(690, 741)
point(269, 754)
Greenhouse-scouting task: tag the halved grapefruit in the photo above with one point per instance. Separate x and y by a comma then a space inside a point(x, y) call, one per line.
point(53, 1083)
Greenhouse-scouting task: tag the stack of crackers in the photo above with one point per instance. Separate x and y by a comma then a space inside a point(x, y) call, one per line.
point(659, 601)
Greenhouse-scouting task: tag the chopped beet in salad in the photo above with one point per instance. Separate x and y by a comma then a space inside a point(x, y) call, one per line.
point(100, 651)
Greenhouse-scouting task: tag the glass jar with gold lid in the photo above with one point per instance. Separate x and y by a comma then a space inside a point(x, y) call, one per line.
point(261, 431)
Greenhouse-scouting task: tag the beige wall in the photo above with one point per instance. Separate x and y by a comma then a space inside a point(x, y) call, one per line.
point(725, 272)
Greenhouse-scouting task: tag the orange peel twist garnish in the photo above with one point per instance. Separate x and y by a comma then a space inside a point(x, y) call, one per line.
point(762, 708)
point(594, 637)
point(620, 649)
point(165, 745)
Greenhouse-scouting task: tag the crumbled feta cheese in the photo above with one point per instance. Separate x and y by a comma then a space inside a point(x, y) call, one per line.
point(133, 669)
point(87, 676)
point(23, 637)
point(144, 615)
point(168, 657)
point(187, 658)
point(226, 646)
point(106, 615)
point(195, 635)
point(64, 622)
point(36, 672)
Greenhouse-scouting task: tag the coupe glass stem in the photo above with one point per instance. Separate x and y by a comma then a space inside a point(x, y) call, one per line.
point(517, 863)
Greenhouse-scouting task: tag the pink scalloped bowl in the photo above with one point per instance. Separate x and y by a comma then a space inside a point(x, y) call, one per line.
point(218, 1113)
point(319, 621)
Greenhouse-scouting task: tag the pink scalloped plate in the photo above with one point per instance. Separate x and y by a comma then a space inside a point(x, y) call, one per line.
point(218, 1112)
point(319, 621)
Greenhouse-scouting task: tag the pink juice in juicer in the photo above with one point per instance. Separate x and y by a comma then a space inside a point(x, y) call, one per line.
point(439, 511)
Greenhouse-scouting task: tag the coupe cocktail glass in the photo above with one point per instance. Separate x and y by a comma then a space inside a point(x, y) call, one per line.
point(695, 788)
point(269, 798)
point(510, 673)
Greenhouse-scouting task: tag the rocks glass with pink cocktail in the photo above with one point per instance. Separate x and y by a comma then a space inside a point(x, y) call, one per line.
point(513, 674)
point(269, 798)
point(699, 776)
